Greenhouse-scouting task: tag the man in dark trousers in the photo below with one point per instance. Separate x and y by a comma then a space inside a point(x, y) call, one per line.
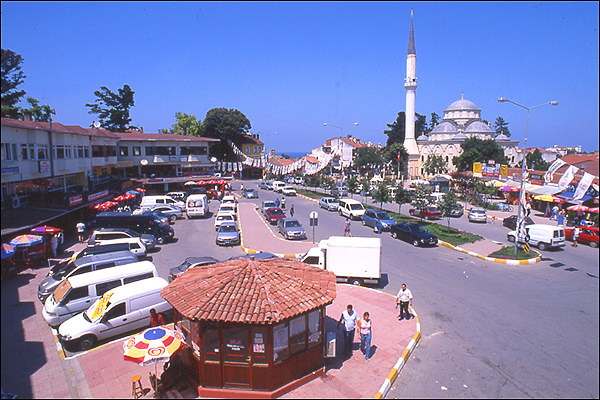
point(403, 298)
point(349, 318)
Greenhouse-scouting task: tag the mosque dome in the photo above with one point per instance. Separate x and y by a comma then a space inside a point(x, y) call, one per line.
point(502, 138)
point(445, 127)
point(478, 127)
point(423, 138)
point(460, 136)
point(462, 105)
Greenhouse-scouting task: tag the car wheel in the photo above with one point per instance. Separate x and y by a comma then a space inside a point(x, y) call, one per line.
point(510, 239)
point(87, 342)
point(160, 240)
point(172, 218)
point(340, 212)
point(356, 281)
point(542, 246)
point(394, 235)
point(416, 243)
point(593, 244)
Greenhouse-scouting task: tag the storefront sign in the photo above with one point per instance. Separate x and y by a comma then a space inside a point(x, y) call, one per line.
point(10, 170)
point(44, 166)
point(178, 158)
point(98, 195)
point(490, 170)
point(155, 180)
point(75, 200)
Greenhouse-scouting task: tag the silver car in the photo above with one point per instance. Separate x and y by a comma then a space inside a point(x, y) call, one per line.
point(171, 212)
point(477, 214)
point(329, 203)
point(290, 228)
point(228, 234)
point(267, 204)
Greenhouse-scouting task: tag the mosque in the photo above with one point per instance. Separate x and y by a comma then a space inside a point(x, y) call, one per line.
point(462, 120)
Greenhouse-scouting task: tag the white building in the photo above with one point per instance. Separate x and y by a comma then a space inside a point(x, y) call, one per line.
point(347, 147)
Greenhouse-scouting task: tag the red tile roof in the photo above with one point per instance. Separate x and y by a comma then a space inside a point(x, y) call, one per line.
point(57, 127)
point(311, 159)
point(250, 291)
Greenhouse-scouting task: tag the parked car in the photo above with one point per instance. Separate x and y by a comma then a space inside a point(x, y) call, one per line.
point(115, 245)
point(222, 217)
point(413, 233)
point(212, 194)
point(228, 208)
point(190, 262)
point(266, 204)
point(477, 214)
point(263, 255)
point(228, 234)
point(171, 212)
point(457, 212)
point(290, 228)
point(149, 202)
point(103, 234)
point(196, 205)
point(542, 236)
point(299, 180)
point(250, 193)
point(587, 234)
point(288, 191)
point(372, 217)
point(329, 203)
point(178, 195)
point(266, 185)
point(158, 216)
point(511, 222)
point(339, 191)
point(274, 214)
point(143, 223)
point(351, 208)
point(426, 213)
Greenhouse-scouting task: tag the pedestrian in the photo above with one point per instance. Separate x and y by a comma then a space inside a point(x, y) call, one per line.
point(548, 210)
point(292, 211)
point(364, 326)
point(54, 244)
point(349, 317)
point(242, 187)
point(283, 203)
point(575, 235)
point(156, 319)
point(347, 228)
point(80, 230)
point(554, 215)
point(377, 227)
point(527, 209)
point(561, 218)
point(277, 202)
point(403, 298)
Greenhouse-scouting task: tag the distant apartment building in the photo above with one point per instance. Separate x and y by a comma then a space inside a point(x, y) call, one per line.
point(346, 148)
point(252, 147)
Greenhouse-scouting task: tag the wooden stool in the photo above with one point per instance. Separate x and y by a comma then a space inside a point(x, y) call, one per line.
point(137, 390)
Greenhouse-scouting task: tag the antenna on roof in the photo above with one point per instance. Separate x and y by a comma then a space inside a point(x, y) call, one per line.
point(96, 124)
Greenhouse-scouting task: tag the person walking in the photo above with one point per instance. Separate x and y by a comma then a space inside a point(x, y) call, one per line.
point(283, 203)
point(554, 215)
point(403, 298)
point(576, 232)
point(347, 228)
point(54, 244)
point(561, 218)
point(349, 318)
point(80, 230)
point(292, 211)
point(277, 202)
point(156, 319)
point(364, 326)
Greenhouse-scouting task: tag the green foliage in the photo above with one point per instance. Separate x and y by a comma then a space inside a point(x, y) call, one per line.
point(225, 124)
point(113, 108)
point(390, 155)
point(381, 194)
point(535, 161)
point(420, 125)
point(396, 133)
point(39, 113)
point(12, 77)
point(448, 204)
point(420, 198)
point(402, 196)
point(435, 165)
point(352, 183)
point(477, 150)
point(501, 126)
point(435, 119)
point(185, 124)
point(368, 158)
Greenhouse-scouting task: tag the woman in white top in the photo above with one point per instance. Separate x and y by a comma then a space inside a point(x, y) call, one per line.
point(364, 326)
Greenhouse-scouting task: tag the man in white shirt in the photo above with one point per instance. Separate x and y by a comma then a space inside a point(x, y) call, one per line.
point(80, 231)
point(349, 317)
point(403, 298)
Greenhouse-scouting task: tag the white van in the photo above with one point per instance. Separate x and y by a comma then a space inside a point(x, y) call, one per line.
point(542, 236)
point(149, 202)
point(136, 246)
point(351, 208)
point(196, 205)
point(278, 186)
point(229, 200)
point(118, 311)
point(77, 293)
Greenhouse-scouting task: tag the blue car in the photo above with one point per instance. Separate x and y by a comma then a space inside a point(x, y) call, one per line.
point(377, 217)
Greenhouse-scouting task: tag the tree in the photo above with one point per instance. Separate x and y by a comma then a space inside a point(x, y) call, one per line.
point(448, 204)
point(113, 108)
point(396, 133)
point(501, 126)
point(477, 150)
point(402, 197)
point(12, 77)
point(435, 165)
point(381, 194)
point(41, 113)
point(186, 124)
point(434, 121)
point(535, 161)
point(420, 125)
point(391, 152)
point(420, 198)
point(352, 184)
point(225, 124)
point(366, 157)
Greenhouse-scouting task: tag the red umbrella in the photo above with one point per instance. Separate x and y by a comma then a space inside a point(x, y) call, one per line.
point(594, 210)
point(140, 190)
point(578, 207)
point(119, 198)
point(42, 230)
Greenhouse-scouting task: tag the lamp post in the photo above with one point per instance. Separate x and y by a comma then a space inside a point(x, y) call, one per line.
point(520, 215)
point(339, 145)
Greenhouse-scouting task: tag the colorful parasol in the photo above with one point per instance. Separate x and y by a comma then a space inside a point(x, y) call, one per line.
point(134, 192)
point(594, 210)
point(27, 240)
point(7, 250)
point(548, 197)
point(119, 198)
point(42, 230)
point(578, 207)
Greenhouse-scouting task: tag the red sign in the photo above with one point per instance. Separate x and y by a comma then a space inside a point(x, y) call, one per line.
point(75, 200)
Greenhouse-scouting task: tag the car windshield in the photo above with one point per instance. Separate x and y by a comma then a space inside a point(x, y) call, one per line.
point(276, 211)
point(292, 224)
point(270, 204)
point(417, 229)
point(356, 207)
point(66, 270)
point(384, 216)
point(227, 228)
point(224, 218)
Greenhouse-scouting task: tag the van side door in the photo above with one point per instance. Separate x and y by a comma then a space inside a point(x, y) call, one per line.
point(114, 322)
point(76, 301)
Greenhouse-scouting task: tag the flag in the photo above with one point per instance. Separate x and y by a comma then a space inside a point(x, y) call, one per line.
point(584, 185)
point(567, 177)
point(552, 169)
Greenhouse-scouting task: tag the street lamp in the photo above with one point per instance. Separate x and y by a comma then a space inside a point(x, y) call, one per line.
point(520, 215)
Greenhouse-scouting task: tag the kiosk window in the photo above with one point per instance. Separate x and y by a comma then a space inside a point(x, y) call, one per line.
point(280, 342)
point(259, 346)
point(211, 343)
point(298, 334)
point(314, 327)
point(235, 345)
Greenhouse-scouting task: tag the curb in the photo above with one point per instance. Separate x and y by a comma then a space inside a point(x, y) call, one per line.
point(307, 198)
point(494, 259)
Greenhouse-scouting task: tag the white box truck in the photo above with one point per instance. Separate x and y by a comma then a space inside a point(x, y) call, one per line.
point(355, 260)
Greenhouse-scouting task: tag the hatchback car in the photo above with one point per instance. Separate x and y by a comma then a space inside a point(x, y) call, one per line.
point(288, 191)
point(228, 208)
point(222, 217)
point(477, 214)
point(511, 222)
point(587, 234)
point(457, 212)
point(250, 193)
point(227, 234)
point(171, 212)
point(299, 181)
point(374, 217)
point(413, 233)
point(266, 205)
point(329, 203)
point(290, 228)
point(190, 262)
point(274, 214)
point(426, 213)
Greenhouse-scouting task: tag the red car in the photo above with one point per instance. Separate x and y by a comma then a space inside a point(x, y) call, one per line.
point(212, 194)
point(587, 234)
point(274, 214)
point(427, 213)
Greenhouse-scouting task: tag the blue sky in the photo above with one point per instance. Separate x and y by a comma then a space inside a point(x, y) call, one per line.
point(291, 66)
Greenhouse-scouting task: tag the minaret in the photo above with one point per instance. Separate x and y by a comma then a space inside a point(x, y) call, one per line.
point(410, 84)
